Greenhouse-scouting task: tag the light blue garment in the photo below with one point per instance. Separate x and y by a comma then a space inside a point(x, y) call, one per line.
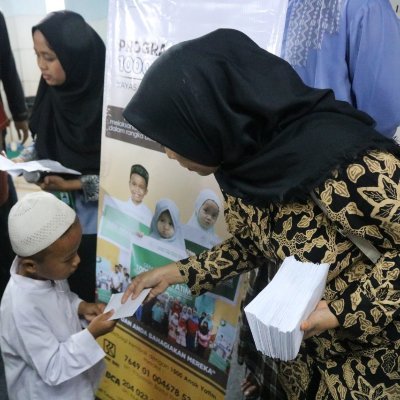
point(351, 46)
point(157, 313)
point(87, 213)
point(205, 303)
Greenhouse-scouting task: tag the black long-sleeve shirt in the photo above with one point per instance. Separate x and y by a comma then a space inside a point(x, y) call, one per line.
point(9, 76)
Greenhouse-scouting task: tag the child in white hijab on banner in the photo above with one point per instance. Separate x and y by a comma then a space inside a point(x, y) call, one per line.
point(201, 226)
point(166, 224)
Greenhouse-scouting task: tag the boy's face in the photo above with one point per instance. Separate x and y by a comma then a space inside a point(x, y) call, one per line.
point(165, 225)
point(208, 214)
point(61, 258)
point(138, 188)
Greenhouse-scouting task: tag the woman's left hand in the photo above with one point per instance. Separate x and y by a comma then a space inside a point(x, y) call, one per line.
point(320, 320)
point(55, 182)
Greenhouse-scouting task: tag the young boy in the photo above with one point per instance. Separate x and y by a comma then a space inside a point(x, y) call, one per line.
point(46, 353)
point(138, 183)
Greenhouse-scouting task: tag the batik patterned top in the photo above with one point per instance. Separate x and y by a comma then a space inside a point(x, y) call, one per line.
point(363, 199)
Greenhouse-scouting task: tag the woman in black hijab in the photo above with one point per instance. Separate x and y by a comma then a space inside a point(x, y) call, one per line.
point(220, 104)
point(66, 123)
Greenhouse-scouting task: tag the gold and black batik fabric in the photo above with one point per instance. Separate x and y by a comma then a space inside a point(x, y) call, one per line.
point(359, 360)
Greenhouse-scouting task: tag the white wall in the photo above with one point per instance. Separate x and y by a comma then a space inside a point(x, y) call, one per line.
point(396, 6)
point(21, 15)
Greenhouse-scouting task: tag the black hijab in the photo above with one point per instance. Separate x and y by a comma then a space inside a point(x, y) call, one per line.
point(221, 100)
point(66, 119)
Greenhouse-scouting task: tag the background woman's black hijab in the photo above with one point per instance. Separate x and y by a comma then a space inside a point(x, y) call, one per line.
point(221, 100)
point(66, 119)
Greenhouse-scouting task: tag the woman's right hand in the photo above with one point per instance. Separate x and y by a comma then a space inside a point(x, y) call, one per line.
point(159, 279)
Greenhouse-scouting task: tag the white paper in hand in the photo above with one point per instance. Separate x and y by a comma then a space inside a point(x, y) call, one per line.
point(16, 169)
point(127, 309)
point(276, 313)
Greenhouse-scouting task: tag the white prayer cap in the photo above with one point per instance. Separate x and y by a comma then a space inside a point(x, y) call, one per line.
point(36, 221)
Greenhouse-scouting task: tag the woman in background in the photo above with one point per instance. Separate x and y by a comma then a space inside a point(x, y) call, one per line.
point(66, 124)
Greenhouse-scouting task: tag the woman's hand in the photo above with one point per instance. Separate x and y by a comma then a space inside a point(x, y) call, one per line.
point(55, 182)
point(159, 279)
point(22, 130)
point(320, 320)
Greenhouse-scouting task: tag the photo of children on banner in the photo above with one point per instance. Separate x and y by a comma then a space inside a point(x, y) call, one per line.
point(116, 280)
point(138, 187)
point(180, 324)
point(200, 229)
point(199, 234)
point(173, 327)
point(164, 242)
point(203, 339)
point(157, 316)
point(121, 219)
point(166, 225)
point(103, 280)
point(104, 272)
point(174, 315)
point(178, 321)
point(126, 279)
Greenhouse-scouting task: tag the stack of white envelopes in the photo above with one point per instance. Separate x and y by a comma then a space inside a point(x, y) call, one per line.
point(276, 313)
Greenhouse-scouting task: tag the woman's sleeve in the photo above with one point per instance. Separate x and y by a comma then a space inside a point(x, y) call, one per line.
point(90, 187)
point(365, 201)
point(232, 257)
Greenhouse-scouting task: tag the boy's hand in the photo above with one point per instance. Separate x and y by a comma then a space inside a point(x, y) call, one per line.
point(101, 324)
point(90, 310)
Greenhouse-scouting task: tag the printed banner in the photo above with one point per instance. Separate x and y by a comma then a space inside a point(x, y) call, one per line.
point(141, 365)
point(154, 212)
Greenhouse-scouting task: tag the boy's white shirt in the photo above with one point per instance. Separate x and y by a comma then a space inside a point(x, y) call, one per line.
point(139, 211)
point(46, 353)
